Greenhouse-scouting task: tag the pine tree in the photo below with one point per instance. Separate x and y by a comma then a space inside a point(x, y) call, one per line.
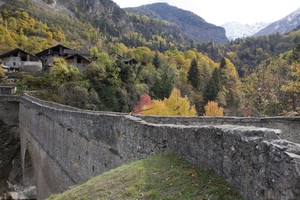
point(223, 63)
point(156, 60)
point(194, 75)
point(213, 87)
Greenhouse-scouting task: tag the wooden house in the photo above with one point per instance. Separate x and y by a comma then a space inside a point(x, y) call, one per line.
point(79, 59)
point(130, 61)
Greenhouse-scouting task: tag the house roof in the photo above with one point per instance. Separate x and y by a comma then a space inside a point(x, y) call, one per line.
point(117, 55)
point(52, 49)
point(15, 52)
point(71, 51)
point(130, 60)
point(78, 55)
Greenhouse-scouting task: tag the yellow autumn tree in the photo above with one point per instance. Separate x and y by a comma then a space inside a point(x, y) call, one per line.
point(294, 85)
point(62, 72)
point(175, 105)
point(212, 110)
point(2, 73)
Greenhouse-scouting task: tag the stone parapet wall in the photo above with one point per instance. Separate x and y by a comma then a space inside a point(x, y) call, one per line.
point(289, 126)
point(71, 146)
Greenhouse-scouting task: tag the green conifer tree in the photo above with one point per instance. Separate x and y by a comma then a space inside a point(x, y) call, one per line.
point(223, 63)
point(156, 60)
point(194, 75)
point(213, 87)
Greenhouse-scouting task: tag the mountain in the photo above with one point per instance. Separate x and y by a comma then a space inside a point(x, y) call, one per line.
point(236, 30)
point(191, 24)
point(83, 23)
point(283, 25)
point(104, 14)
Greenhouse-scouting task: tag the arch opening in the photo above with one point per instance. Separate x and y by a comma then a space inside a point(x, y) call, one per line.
point(28, 176)
point(29, 186)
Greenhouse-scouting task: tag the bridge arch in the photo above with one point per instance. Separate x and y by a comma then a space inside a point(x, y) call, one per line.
point(28, 170)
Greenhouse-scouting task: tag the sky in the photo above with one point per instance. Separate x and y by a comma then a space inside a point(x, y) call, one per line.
point(219, 12)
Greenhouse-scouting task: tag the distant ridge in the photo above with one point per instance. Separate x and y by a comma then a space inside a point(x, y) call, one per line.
point(284, 25)
point(191, 24)
point(236, 30)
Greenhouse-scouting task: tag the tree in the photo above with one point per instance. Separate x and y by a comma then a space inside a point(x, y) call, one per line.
point(2, 73)
point(164, 81)
point(156, 60)
point(73, 94)
point(293, 86)
point(296, 54)
point(62, 72)
point(194, 75)
point(212, 110)
point(179, 106)
point(175, 105)
point(145, 100)
point(214, 86)
point(223, 63)
point(230, 88)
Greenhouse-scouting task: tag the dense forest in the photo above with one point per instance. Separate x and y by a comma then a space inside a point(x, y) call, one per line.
point(246, 77)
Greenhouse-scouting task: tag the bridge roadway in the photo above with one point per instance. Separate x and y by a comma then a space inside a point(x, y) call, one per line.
point(62, 146)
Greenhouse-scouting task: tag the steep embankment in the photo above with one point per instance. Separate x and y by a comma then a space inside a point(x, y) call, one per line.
point(163, 176)
point(191, 24)
point(10, 162)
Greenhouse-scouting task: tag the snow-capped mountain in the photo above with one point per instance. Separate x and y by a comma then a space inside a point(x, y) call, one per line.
point(236, 30)
point(284, 25)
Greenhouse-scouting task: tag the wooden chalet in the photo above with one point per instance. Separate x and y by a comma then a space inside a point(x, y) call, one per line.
point(79, 59)
point(130, 61)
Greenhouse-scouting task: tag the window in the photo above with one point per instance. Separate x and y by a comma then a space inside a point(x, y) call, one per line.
point(78, 59)
point(14, 63)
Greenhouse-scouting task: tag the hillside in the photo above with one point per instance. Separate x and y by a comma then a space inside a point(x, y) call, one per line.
point(283, 25)
point(104, 14)
point(87, 23)
point(164, 176)
point(191, 24)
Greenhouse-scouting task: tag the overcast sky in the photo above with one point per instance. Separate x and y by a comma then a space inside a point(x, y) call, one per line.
point(221, 11)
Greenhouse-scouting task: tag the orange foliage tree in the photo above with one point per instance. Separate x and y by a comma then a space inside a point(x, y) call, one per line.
point(212, 110)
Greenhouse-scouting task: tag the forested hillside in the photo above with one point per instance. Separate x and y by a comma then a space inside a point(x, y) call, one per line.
point(246, 77)
point(248, 53)
point(81, 26)
point(191, 24)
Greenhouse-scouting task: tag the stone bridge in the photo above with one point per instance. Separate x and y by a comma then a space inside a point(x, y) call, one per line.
point(62, 146)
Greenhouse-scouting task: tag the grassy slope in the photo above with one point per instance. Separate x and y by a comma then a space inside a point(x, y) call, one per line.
point(163, 176)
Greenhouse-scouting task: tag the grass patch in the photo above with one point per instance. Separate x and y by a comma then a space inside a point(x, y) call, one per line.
point(163, 176)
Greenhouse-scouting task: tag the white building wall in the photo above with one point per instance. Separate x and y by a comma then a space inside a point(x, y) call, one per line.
point(26, 66)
